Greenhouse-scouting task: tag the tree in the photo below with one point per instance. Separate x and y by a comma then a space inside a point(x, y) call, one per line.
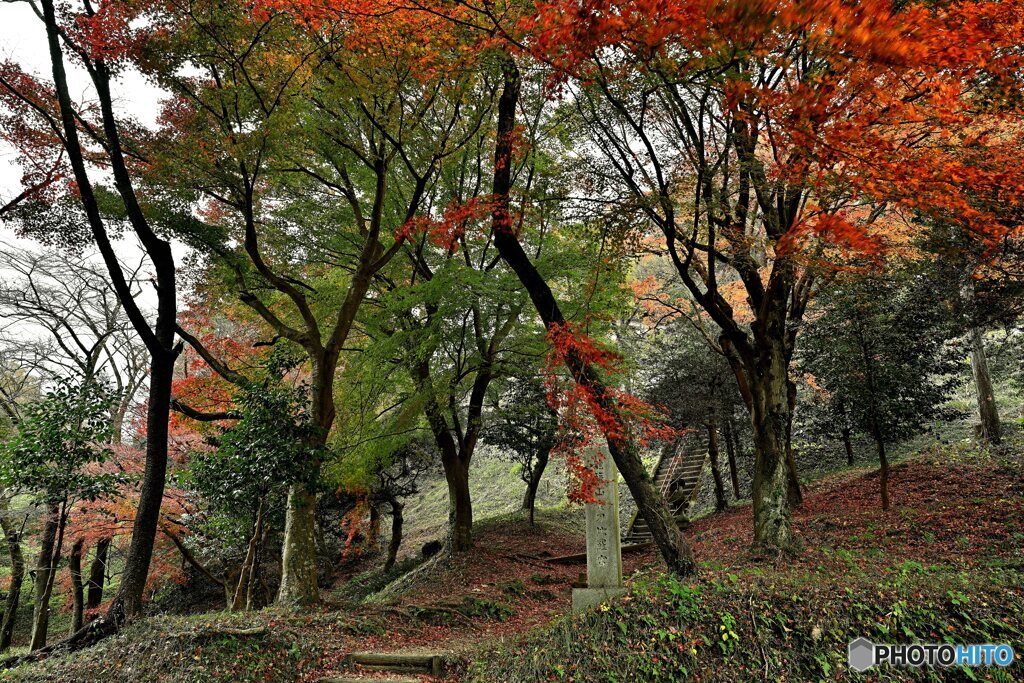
point(398, 479)
point(983, 285)
point(526, 427)
point(581, 358)
point(78, 137)
point(880, 345)
point(244, 479)
point(345, 152)
point(454, 348)
point(58, 442)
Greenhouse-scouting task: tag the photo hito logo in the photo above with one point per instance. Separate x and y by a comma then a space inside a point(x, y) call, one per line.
point(863, 654)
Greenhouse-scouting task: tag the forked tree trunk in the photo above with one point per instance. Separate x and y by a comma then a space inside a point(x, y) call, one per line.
point(650, 504)
point(13, 536)
point(730, 451)
point(396, 534)
point(46, 569)
point(299, 586)
point(245, 576)
point(720, 502)
point(991, 430)
point(77, 589)
point(536, 472)
point(98, 574)
point(455, 459)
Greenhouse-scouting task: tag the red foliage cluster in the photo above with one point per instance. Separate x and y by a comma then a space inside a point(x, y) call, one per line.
point(39, 150)
point(197, 384)
point(587, 418)
point(352, 523)
point(914, 106)
point(456, 220)
point(108, 33)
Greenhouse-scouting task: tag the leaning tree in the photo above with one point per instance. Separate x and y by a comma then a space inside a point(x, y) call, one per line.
point(100, 152)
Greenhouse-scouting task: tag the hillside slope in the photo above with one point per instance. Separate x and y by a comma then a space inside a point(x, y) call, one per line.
point(945, 564)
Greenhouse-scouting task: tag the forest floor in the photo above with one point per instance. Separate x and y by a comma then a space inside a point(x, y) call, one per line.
point(955, 526)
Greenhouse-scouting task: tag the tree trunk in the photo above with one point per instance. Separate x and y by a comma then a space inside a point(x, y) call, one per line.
point(127, 603)
point(530, 498)
point(720, 502)
point(77, 590)
point(98, 573)
point(770, 416)
point(738, 445)
point(848, 445)
point(13, 535)
point(255, 579)
point(245, 575)
point(374, 531)
point(883, 466)
point(991, 430)
point(845, 431)
point(650, 504)
point(46, 567)
point(298, 556)
point(460, 504)
point(396, 534)
point(795, 493)
point(730, 452)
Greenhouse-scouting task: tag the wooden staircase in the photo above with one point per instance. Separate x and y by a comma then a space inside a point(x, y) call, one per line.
point(676, 476)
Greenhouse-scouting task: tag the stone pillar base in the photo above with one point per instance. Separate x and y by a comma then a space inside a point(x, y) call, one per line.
point(588, 598)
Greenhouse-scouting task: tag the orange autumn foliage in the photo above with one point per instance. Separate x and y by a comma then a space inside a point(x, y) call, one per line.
point(863, 103)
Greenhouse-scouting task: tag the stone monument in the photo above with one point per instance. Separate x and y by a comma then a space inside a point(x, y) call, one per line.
point(604, 549)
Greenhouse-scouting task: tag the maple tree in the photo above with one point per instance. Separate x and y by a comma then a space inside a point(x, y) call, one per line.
point(581, 357)
point(344, 152)
point(756, 137)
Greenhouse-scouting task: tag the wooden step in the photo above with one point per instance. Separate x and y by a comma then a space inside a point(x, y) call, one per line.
point(399, 662)
point(360, 679)
point(577, 558)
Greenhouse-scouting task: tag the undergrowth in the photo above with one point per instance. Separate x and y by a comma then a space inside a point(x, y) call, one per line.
point(742, 628)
